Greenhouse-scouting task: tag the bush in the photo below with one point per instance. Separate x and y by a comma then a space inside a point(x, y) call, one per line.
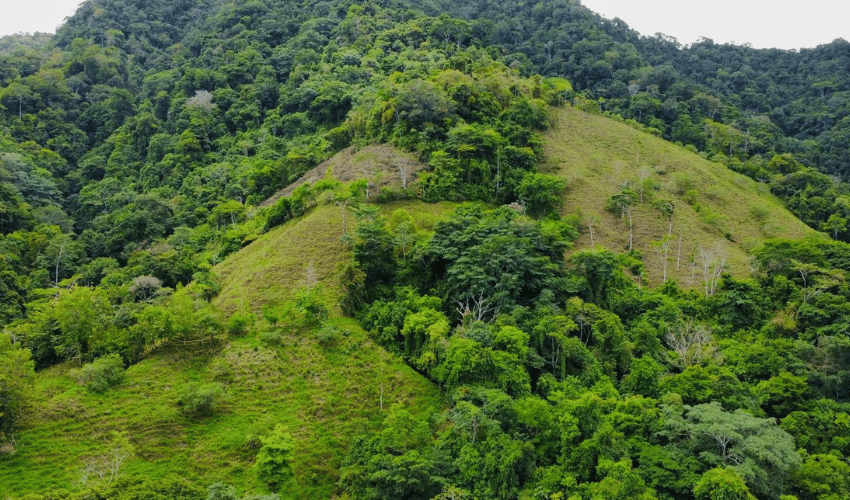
point(279, 213)
point(220, 370)
point(240, 323)
point(275, 457)
point(329, 335)
point(271, 337)
point(221, 491)
point(100, 374)
point(201, 400)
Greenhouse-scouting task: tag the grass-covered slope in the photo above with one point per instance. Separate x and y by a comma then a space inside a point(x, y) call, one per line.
point(714, 210)
point(307, 251)
point(382, 165)
point(323, 395)
point(324, 391)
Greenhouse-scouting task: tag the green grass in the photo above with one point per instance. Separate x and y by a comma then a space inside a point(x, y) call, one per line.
point(305, 251)
point(714, 207)
point(324, 394)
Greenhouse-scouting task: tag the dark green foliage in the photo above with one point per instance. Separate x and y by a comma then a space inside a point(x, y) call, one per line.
point(487, 262)
point(201, 400)
point(396, 462)
point(597, 276)
point(541, 194)
point(279, 213)
point(134, 155)
point(219, 491)
point(373, 252)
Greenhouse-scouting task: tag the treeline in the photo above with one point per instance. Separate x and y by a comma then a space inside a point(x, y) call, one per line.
point(566, 380)
point(738, 105)
point(783, 101)
point(135, 152)
point(123, 146)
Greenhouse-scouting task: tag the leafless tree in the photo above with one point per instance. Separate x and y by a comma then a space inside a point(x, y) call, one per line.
point(203, 99)
point(145, 288)
point(713, 262)
point(404, 169)
point(105, 468)
point(474, 308)
point(663, 249)
point(691, 343)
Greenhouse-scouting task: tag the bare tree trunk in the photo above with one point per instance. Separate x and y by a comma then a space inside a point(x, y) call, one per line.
point(58, 259)
point(679, 252)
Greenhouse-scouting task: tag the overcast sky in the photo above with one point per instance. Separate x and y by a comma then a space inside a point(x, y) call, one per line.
point(29, 16)
point(763, 23)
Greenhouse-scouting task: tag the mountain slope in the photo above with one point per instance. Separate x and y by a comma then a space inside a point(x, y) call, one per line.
point(714, 210)
point(323, 390)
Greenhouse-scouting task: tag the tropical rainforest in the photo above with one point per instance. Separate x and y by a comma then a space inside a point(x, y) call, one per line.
point(419, 249)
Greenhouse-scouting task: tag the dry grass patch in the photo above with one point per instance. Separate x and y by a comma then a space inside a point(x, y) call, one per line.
point(714, 207)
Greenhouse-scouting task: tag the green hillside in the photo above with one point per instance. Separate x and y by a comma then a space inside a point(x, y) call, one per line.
point(325, 388)
point(322, 389)
point(419, 249)
point(713, 208)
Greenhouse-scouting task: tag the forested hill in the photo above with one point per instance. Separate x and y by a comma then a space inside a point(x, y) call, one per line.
point(775, 100)
point(445, 323)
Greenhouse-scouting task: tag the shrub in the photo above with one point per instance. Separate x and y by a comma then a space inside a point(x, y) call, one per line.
point(201, 400)
point(275, 457)
point(221, 491)
point(329, 335)
point(240, 323)
point(220, 370)
point(271, 337)
point(100, 374)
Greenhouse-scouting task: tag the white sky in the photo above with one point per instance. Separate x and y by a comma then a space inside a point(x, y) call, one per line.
point(784, 24)
point(29, 16)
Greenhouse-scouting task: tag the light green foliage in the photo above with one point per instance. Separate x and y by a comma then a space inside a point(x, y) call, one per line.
point(100, 374)
point(83, 316)
point(274, 461)
point(822, 477)
point(16, 378)
point(822, 428)
point(240, 323)
point(721, 483)
point(619, 482)
point(756, 448)
point(424, 334)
